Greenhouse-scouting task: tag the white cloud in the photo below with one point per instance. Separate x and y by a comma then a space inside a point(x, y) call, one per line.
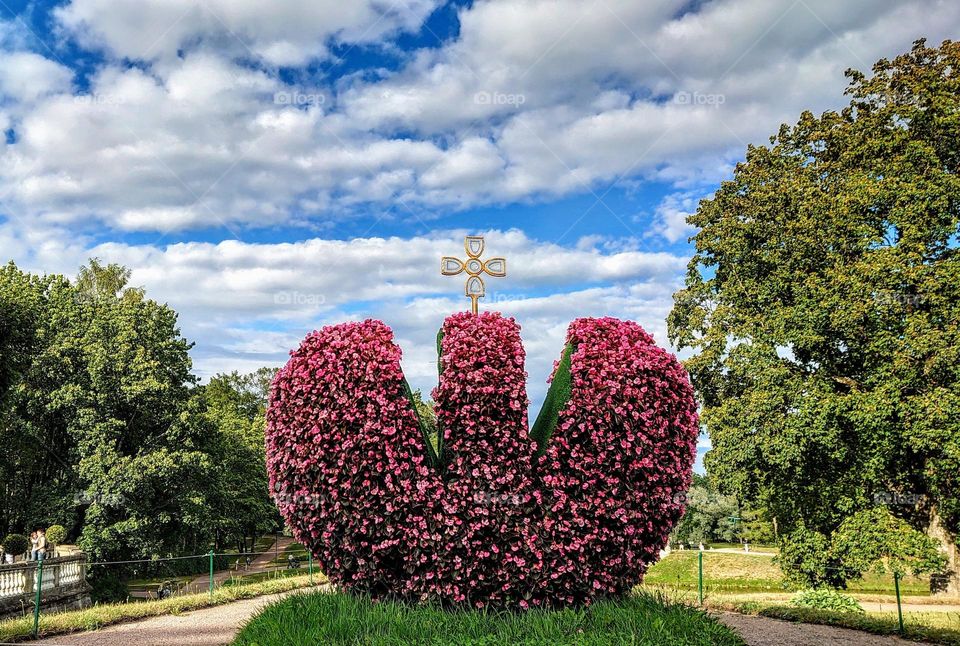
point(670, 217)
point(188, 123)
point(26, 77)
point(247, 305)
point(532, 99)
point(281, 32)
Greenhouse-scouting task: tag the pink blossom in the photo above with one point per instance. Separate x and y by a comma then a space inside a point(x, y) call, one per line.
point(350, 472)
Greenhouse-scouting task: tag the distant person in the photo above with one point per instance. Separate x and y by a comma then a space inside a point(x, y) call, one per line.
point(681, 547)
point(33, 545)
point(701, 546)
point(41, 544)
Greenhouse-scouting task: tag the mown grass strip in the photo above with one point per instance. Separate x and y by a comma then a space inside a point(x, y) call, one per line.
point(642, 619)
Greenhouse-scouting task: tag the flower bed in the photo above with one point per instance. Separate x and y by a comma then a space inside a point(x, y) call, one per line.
point(498, 518)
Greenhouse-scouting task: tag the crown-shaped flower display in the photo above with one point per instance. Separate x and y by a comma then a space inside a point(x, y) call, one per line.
point(495, 514)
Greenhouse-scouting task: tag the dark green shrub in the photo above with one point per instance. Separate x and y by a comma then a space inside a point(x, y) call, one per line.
point(56, 535)
point(806, 560)
point(107, 587)
point(16, 544)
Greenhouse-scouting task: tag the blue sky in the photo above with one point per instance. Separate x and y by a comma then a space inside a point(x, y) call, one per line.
point(268, 168)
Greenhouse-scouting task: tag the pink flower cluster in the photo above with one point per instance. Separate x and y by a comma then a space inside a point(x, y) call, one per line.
point(494, 523)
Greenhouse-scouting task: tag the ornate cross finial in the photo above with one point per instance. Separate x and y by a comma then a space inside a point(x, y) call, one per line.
point(474, 289)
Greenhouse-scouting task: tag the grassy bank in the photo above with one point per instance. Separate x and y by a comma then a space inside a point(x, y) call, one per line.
point(934, 627)
point(731, 572)
point(106, 614)
point(321, 618)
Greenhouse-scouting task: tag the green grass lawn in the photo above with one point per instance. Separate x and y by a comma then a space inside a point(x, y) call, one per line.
point(727, 572)
point(325, 618)
point(244, 579)
point(755, 585)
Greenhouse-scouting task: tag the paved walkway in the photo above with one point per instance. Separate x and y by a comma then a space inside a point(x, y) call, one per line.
point(206, 627)
point(261, 563)
point(763, 631)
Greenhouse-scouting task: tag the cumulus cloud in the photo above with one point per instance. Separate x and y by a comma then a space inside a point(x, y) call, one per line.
point(26, 77)
point(670, 217)
point(530, 100)
point(247, 304)
point(202, 114)
point(281, 32)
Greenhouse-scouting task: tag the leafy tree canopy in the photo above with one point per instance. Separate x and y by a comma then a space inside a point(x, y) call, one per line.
point(823, 308)
point(106, 430)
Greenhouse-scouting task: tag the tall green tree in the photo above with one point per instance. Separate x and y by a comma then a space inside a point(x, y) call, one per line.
point(100, 416)
point(36, 474)
point(709, 516)
point(144, 443)
point(823, 308)
point(240, 508)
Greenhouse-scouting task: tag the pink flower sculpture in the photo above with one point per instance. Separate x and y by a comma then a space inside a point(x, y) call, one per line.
point(502, 517)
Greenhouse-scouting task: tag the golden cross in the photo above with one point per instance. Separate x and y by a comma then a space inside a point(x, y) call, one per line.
point(474, 289)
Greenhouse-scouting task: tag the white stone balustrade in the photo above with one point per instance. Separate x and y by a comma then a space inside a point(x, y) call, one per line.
point(62, 577)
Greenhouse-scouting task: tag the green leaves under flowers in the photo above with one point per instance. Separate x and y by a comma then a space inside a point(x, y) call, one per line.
point(427, 430)
point(557, 397)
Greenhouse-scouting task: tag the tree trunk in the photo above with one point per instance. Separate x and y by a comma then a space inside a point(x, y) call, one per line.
point(947, 584)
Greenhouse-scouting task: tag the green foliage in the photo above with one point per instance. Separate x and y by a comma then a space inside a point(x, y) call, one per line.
point(557, 397)
point(874, 540)
point(107, 432)
point(869, 541)
point(426, 413)
point(239, 508)
point(823, 306)
point(427, 422)
point(35, 473)
point(16, 544)
point(709, 516)
point(755, 526)
point(826, 599)
point(56, 534)
point(108, 587)
point(327, 618)
point(807, 561)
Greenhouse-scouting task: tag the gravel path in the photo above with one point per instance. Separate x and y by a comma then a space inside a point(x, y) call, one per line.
point(763, 631)
point(205, 627)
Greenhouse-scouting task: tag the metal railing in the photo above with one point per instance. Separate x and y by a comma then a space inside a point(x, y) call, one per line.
point(72, 582)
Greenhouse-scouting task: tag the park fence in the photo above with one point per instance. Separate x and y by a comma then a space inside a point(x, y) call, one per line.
point(59, 584)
